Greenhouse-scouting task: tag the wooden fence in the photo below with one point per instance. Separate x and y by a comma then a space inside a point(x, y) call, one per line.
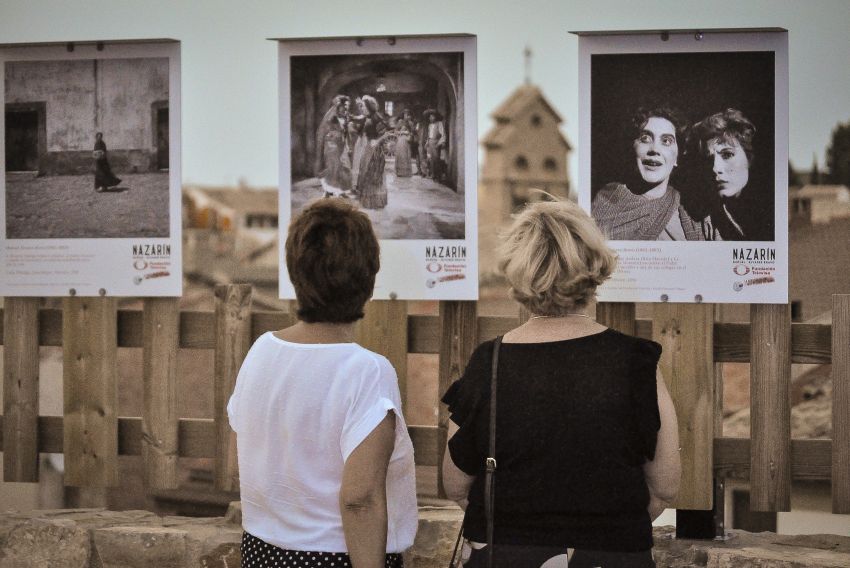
point(92, 435)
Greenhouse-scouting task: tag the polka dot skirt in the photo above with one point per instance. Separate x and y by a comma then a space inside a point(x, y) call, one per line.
point(258, 553)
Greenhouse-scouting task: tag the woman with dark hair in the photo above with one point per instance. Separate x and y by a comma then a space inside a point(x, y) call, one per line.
point(724, 141)
point(103, 176)
point(648, 207)
point(332, 149)
point(326, 468)
point(356, 134)
point(370, 184)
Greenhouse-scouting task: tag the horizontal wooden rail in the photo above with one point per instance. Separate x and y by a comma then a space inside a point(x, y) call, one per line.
point(811, 460)
point(810, 343)
point(196, 438)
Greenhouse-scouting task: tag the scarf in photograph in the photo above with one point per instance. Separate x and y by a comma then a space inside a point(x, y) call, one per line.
point(624, 216)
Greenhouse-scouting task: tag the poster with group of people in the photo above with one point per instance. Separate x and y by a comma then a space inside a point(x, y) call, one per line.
point(390, 125)
point(90, 180)
point(683, 156)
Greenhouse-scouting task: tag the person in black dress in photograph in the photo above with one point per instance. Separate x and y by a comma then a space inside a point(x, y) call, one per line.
point(103, 176)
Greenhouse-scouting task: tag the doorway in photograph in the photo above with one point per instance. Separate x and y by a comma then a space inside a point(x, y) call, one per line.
point(24, 136)
point(160, 116)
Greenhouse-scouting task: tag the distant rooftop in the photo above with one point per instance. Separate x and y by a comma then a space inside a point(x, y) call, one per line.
point(519, 100)
point(242, 200)
point(839, 192)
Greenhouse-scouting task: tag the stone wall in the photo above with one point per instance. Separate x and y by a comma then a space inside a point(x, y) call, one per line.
point(96, 538)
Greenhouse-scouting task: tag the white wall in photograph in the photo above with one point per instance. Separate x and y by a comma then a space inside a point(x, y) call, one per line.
point(90, 181)
point(684, 162)
point(388, 124)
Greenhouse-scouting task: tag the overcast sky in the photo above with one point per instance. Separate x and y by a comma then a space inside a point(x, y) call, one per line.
point(229, 68)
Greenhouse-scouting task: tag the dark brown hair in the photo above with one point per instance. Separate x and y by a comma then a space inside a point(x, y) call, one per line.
point(332, 256)
point(675, 116)
point(729, 125)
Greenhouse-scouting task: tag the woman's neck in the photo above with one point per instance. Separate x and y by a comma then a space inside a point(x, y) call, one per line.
point(318, 332)
point(657, 191)
point(541, 329)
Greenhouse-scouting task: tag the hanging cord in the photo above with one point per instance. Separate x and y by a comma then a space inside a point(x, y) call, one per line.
point(490, 472)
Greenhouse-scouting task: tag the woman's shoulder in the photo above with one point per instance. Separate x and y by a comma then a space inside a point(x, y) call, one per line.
point(609, 192)
point(476, 373)
point(644, 350)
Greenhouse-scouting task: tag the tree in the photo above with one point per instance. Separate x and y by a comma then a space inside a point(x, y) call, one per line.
point(838, 154)
point(814, 177)
point(793, 176)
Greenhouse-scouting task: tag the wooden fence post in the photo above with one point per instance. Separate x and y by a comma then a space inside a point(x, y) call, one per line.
point(770, 408)
point(841, 404)
point(383, 330)
point(161, 336)
point(232, 341)
point(89, 370)
point(20, 390)
point(458, 339)
point(686, 333)
point(617, 315)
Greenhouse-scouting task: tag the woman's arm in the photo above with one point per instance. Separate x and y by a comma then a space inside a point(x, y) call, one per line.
point(455, 482)
point(363, 496)
point(664, 472)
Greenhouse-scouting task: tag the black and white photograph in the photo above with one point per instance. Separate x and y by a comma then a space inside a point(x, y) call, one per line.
point(682, 146)
point(91, 177)
point(385, 131)
point(388, 124)
point(87, 148)
point(684, 162)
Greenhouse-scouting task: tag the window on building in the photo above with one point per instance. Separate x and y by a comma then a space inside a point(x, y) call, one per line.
point(388, 108)
point(796, 310)
point(536, 120)
point(517, 203)
point(260, 221)
point(521, 163)
point(550, 165)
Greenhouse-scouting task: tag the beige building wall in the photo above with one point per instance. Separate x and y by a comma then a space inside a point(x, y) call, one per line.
point(524, 150)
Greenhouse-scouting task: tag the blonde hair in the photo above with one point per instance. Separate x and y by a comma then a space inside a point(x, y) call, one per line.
point(554, 256)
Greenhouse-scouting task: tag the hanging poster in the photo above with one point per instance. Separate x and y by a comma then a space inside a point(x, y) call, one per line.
point(90, 196)
point(390, 125)
point(684, 162)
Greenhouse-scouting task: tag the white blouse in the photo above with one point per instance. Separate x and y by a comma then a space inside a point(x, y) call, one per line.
point(298, 411)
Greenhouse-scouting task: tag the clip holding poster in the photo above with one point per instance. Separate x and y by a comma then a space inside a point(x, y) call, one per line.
point(683, 162)
point(90, 185)
point(388, 123)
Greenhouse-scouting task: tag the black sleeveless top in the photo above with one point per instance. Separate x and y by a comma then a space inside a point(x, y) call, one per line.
point(576, 420)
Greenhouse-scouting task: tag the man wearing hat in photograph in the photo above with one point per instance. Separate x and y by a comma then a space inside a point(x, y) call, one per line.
point(435, 143)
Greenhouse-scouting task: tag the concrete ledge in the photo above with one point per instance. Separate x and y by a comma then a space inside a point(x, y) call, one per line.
point(96, 538)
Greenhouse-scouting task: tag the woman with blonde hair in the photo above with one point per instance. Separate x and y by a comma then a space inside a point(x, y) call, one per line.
point(584, 452)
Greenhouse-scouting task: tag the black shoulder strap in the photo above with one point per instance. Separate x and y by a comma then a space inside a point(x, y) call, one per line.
point(490, 471)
